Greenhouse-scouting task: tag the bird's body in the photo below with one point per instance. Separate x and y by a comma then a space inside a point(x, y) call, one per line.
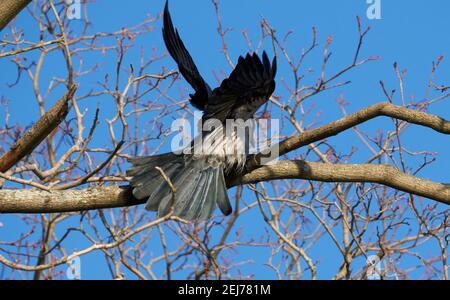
point(198, 173)
point(220, 148)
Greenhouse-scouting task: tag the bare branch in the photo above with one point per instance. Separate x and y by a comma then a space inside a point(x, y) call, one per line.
point(36, 201)
point(382, 174)
point(40, 130)
point(334, 128)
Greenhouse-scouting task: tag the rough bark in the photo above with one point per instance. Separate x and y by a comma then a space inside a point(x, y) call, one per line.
point(46, 201)
point(381, 109)
point(38, 132)
point(38, 201)
point(9, 9)
point(382, 174)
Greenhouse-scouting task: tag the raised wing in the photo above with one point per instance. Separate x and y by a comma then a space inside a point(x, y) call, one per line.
point(185, 63)
point(249, 85)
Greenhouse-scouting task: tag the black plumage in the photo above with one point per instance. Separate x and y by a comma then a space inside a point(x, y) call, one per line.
point(200, 180)
point(186, 65)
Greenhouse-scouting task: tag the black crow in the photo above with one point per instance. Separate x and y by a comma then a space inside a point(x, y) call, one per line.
point(199, 176)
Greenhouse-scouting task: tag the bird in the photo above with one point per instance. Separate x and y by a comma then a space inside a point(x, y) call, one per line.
point(191, 184)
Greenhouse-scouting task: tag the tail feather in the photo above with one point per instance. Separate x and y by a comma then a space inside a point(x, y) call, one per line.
point(222, 196)
point(146, 178)
point(184, 182)
point(203, 201)
point(199, 187)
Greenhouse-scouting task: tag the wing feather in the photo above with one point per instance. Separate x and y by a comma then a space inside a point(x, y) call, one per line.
point(186, 65)
point(251, 80)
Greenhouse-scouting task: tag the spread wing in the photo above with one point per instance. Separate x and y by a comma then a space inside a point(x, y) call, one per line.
point(249, 85)
point(185, 63)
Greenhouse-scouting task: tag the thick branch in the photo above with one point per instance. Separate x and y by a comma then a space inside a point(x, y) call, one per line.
point(334, 128)
point(9, 9)
point(38, 132)
point(382, 174)
point(38, 201)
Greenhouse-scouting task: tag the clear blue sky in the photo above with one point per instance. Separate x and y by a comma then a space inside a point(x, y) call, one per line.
point(412, 33)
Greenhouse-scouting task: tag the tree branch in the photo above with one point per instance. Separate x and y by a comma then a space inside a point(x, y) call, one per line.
point(38, 132)
point(38, 201)
point(382, 174)
point(9, 9)
point(336, 127)
point(41, 201)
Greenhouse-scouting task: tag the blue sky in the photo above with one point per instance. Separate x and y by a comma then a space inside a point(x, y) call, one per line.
point(411, 33)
